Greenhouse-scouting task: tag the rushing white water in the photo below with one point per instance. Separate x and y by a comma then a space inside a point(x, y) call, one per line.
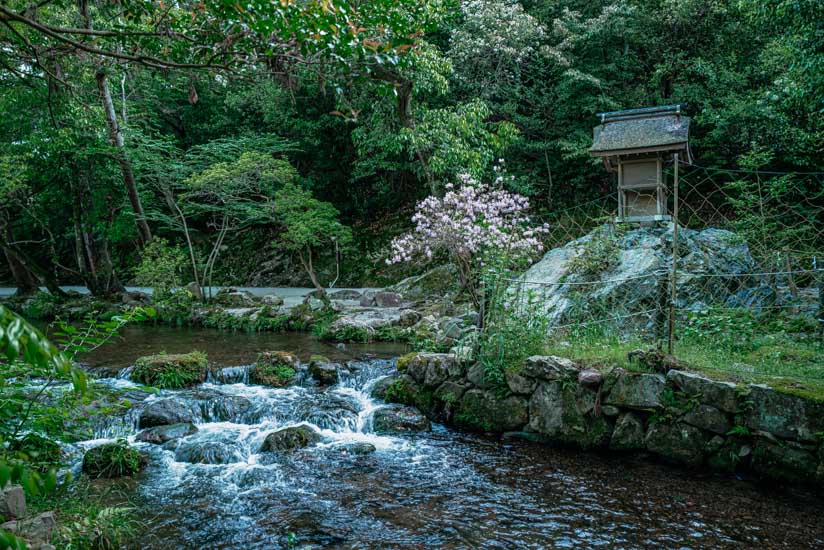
point(216, 489)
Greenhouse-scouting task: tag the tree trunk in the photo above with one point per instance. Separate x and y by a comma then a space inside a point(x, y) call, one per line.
point(116, 137)
point(310, 269)
point(25, 282)
point(48, 279)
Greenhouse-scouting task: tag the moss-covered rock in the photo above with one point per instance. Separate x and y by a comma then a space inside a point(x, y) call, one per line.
point(784, 460)
point(289, 439)
point(677, 442)
point(171, 371)
point(276, 369)
point(113, 460)
point(398, 419)
point(403, 362)
point(637, 391)
point(484, 411)
point(404, 390)
point(324, 371)
point(784, 415)
point(566, 412)
point(629, 433)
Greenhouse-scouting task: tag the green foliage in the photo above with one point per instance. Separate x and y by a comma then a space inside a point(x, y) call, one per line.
point(597, 255)
point(160, 268)
point(513, 328)
point(274, 368)
point(171, 371)
point(113, 460)
point(309, 225)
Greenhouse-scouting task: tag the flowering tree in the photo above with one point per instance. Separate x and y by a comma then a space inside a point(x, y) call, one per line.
point(474, 226)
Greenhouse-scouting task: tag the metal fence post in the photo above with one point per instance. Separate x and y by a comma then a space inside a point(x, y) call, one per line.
point(674, 273)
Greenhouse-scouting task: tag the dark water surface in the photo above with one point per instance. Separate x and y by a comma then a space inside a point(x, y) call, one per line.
point(439, 489)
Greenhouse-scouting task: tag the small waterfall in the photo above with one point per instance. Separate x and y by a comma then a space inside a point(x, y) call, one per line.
point(230, 375)
point(125, 373)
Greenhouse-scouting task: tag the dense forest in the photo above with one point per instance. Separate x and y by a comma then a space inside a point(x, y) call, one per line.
point(390, 288)
point(132, 123)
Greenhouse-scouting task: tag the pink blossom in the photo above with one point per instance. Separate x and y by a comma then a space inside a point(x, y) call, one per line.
point(471, 224)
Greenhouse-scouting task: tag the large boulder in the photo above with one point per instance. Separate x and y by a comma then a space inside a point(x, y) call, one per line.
point(628, 433)
point(171, 371)
point(708, 418)
point(163, 434)
point(637, 391)
point(210, 448)
point(324, 371)
point(677, 442)
point(784, 461)
point(719, 394)
point(398, 419)
point(289, 439)
point(360, 324)
point(480, 410)
point(37, 531)
point(162, 412)
point(405, 390)
point(12, 502)
point(568, 413)
point(632, 273)
point(786, 415)
point(549, 367)
point(431, 369)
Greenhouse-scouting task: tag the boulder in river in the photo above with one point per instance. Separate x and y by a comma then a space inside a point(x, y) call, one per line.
point(324, 371)
point(289, 439)
point(162, 412)
point(276, 369)
point(171, 371)
point(209, 448)
point(113, 460)
point(398, 419)
point(356, 448)
point(235, 298)
point(163, 434)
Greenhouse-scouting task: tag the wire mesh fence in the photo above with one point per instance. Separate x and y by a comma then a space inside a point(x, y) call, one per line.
point(736, 282)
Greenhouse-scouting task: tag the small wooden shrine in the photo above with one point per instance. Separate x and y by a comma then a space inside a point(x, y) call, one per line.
point(637, 144)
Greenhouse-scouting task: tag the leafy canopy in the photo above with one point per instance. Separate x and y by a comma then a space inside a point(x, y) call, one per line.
point(309, 223)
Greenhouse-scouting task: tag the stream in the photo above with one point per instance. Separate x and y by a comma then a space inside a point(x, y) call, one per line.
point(436, 489)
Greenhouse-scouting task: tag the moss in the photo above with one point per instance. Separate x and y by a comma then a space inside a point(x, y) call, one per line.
point(345, 333)
point(113, 460)
point(813, 390)
point(597, 255)
point(405, 391)
point(315, 359)
point(171, 371)
point(403, 361)
point(468, 420)
point(274, 368)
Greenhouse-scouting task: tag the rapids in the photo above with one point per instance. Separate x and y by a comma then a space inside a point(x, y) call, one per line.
point(441, 488)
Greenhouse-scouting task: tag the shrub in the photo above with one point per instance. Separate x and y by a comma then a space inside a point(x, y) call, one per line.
point(171, 371)
point(160, 267)
point(113, 460)
point(471, 226)
point(274, 368)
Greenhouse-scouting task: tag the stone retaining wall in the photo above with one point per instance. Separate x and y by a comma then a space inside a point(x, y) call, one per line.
point(682, 417)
